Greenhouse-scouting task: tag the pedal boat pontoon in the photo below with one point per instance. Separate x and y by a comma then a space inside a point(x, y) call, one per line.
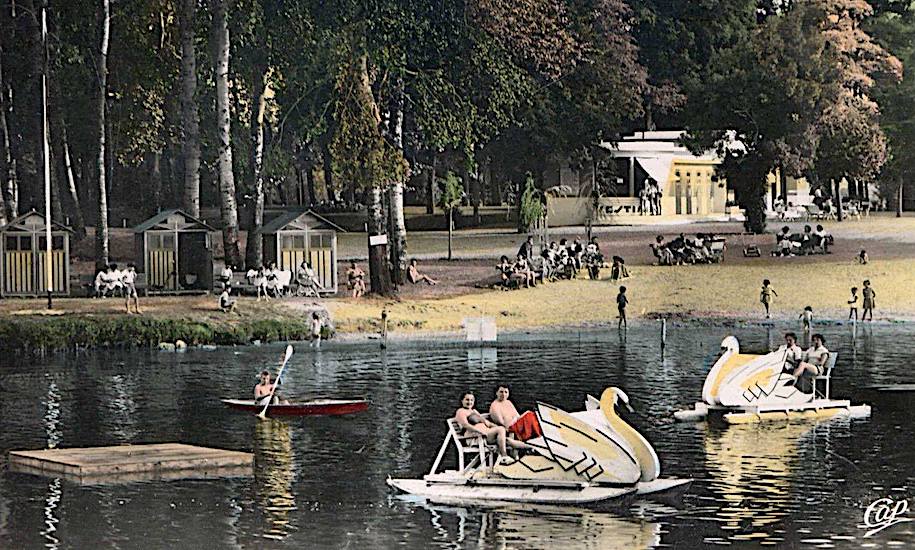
point(583, 458)
point(747, 388)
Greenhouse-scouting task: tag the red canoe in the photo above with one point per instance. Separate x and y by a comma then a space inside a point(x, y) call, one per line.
point(315, 407)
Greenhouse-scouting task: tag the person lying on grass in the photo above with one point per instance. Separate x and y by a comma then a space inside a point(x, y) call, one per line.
point(415, 277)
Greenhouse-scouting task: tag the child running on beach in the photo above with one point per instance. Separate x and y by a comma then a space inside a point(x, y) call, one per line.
point(621, 302)
point(868, 305)
point(807, 318)
point(766, 294)
point(853, 304)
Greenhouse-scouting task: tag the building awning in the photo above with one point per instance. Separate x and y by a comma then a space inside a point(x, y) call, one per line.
point(657, 168)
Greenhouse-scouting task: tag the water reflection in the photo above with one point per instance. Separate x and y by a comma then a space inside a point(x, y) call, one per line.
point(538, 526)
point(752, 468)
point(50, 518)
point(273, 476)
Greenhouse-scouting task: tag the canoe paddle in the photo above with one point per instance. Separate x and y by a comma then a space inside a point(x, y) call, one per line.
point(263, 413)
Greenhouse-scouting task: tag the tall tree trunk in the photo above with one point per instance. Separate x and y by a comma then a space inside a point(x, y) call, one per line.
point(78, 222)
point(379, 274)
point(840, 214)
point(254, 250)
point(398, 228)
point(190, 120)
point(101, 225)
point(227, 204)
point(328, 160)
point(6, 156)
point(475, 192)
point(899, 198)
point(155, 177)
point(432, 187)
point(310, 177)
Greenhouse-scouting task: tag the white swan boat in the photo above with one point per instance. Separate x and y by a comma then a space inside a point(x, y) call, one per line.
point(747, 388)
point(583, 458)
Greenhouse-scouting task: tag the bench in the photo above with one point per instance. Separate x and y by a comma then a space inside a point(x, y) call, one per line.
point(825, 377)
point(472, 444)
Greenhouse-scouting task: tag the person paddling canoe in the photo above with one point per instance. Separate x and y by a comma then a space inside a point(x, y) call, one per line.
point(263, 389)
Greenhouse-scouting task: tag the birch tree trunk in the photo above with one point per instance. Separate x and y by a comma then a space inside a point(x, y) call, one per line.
point(398, 228)
point(254, 249)
point(475, 193)
point(6, 156)
point(430, 190)
point(328, 160)
point(101, 226)
point(227, 204)
point(190, 120)
point(79, 223)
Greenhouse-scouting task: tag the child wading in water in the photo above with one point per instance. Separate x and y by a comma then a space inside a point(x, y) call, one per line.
point(621, 302)
point(853, 304)
point(765, 295)
point(807, 317)
point(315, 330)
point(868, 306)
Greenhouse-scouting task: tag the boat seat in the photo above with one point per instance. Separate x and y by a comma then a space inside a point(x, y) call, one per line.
point(467, 444)
point(825, 377)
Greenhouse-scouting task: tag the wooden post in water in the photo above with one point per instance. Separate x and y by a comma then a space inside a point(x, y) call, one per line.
point(663, 333)
point(384, 328)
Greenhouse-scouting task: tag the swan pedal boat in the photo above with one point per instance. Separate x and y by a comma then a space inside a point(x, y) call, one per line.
point(747, 388)
point(583, 458)
point(314, 407)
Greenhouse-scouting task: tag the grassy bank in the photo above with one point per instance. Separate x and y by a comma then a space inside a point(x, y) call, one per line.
point(68, 333)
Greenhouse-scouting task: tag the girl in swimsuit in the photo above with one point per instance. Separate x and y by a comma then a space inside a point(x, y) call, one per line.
point(472, 421)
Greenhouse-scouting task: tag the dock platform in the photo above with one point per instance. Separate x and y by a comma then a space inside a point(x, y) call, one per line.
point(126, 463)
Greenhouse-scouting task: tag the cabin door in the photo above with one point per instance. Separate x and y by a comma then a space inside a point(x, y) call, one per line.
point(18, 265)
point(320, 253)
point(160, 261)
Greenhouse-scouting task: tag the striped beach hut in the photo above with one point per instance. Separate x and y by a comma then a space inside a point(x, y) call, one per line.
point(174, 251)
point(296, 235)
point(23, 251)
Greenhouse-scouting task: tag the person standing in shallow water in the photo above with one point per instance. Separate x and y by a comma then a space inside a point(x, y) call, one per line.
point(868, 306)
point(766, 294)
point(621, 302)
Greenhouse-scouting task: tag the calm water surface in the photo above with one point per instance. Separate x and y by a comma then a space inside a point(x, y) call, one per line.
point(319, 482)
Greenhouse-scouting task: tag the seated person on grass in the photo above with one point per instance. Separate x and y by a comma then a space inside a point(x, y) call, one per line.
point(355, 279)
point(505, 271)
point(522, 269)
point(226, 303)
point(307, 279)
point(503, 412)
point(415, 277)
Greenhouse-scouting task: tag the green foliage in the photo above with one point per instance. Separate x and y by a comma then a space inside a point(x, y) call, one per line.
point(531, 205)
point(451, 191)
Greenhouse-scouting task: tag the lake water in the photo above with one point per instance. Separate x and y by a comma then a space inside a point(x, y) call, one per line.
point(320, 482)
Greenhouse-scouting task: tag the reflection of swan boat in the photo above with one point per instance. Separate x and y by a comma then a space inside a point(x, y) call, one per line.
point(754, 388)
point(584, 457)
point(542, 526)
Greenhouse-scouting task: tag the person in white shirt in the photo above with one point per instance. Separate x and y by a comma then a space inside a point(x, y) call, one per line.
point(225, 276)
point(794, 355)
point(117, 275)
point(227, 304)
point(129, 279)
point(815, 358)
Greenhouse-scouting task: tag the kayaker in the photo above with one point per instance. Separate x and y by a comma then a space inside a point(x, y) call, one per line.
point(263, 389)
point(503, 412)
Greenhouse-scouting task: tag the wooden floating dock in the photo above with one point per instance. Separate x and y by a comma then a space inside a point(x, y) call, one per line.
point(127, 463)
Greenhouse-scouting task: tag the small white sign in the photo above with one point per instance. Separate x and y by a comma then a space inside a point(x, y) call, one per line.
point(377, 240)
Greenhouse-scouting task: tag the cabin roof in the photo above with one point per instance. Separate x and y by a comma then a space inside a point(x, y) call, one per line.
point(192, 223)
point(32, 222)
point(299, 219)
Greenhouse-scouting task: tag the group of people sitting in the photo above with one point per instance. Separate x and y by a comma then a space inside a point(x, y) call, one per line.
point(805, 365)
point(562, 260)
point(270, 281)
point(802, 244)
point(112, 281)
point(504, 428)
point(683, 250)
